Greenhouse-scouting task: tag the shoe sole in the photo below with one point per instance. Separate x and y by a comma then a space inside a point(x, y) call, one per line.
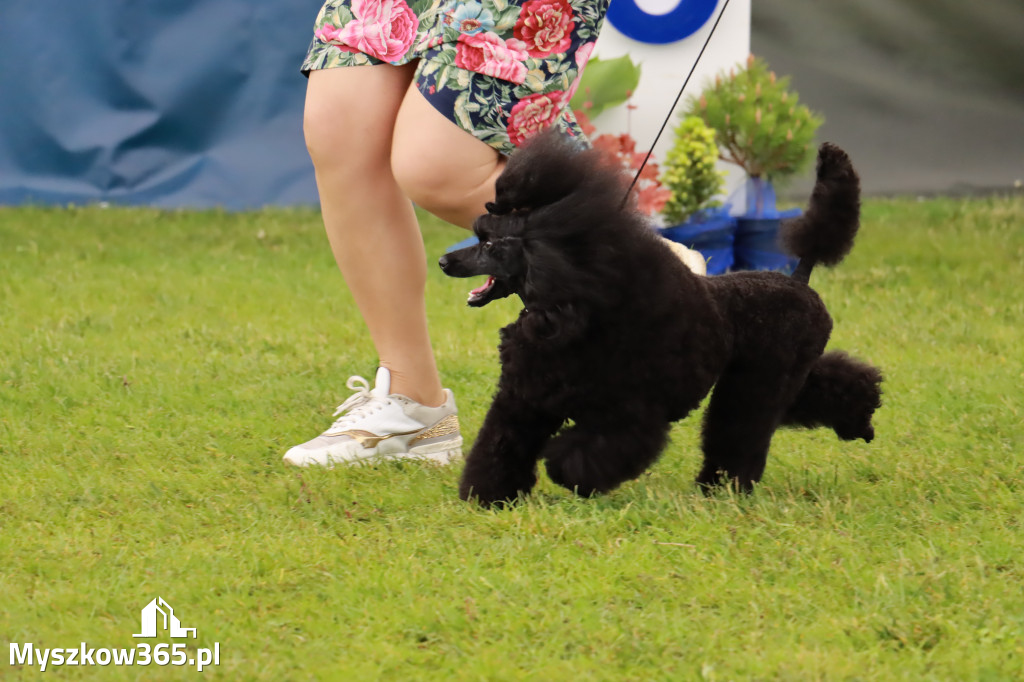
point(442, 453)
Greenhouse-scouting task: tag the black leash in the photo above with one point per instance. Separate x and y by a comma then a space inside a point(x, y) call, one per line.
point(674, 104)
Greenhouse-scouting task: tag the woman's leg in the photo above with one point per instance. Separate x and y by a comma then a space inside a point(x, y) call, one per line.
point(350, 125)
point(367, 166)
point(439, 165)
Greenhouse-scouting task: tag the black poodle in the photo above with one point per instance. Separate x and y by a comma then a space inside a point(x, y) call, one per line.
point(617, 338)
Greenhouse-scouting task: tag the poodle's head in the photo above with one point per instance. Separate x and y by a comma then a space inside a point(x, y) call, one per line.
point(545, 169)
point(555, 229)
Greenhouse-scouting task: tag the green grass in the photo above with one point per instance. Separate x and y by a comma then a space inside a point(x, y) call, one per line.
point(154, 366)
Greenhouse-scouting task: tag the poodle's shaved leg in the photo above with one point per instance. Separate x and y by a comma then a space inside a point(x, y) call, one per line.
point(596, 458)
point(503, 461)
point(746, 408)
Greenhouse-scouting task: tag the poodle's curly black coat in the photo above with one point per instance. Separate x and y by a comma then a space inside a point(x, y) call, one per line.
point(617, 338)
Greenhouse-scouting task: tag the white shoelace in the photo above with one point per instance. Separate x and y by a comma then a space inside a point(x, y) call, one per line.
point(358, 405)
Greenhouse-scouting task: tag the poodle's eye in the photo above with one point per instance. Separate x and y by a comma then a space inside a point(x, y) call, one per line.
point(487, 245)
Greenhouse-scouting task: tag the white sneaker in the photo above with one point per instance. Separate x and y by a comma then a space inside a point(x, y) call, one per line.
point(378, 425)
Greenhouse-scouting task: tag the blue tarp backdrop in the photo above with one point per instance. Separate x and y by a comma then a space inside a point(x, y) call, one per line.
point(170, 103)
point(198, 103)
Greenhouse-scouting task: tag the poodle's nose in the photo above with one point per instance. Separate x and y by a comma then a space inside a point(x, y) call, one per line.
point(443, 263)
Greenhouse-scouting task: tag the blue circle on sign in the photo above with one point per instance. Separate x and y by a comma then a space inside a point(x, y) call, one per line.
point(659, 29)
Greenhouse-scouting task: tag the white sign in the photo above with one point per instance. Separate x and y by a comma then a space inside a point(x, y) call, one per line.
point(666, 64)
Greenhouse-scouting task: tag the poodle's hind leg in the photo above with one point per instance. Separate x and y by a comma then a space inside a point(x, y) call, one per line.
point(598, 457)
point(746, 408)
point(503, 461)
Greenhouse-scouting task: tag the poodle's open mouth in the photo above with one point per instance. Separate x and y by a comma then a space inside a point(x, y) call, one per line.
point(469, 263)
point(479, 295)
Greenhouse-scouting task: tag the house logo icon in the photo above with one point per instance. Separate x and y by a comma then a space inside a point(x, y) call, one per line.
point(151, 619)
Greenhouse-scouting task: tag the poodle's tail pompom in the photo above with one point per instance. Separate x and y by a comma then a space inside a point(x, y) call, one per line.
point(825, 232)
point(840, 392)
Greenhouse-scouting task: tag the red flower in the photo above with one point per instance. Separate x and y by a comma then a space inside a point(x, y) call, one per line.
point(532, 114)
point(545, 26)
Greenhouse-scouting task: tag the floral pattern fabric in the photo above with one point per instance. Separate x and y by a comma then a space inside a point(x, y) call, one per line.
point(500, 69)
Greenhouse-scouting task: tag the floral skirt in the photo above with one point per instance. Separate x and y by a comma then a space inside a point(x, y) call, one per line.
point(500, 69)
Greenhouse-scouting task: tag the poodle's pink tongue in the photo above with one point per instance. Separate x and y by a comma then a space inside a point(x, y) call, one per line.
point(482, 288)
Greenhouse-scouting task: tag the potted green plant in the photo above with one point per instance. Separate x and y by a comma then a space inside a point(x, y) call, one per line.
point(761, 127)
point(694, 216)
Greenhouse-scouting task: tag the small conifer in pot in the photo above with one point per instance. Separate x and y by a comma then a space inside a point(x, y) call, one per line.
point(759, 122)
point(761, 126)
point(689, 171)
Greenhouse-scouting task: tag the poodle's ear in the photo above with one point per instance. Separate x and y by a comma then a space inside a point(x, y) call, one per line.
point(555, 326)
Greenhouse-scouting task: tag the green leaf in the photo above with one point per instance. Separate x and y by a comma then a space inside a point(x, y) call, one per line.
point(606, 83)
point(430, 67)
point(462, 109)
point(506, 20)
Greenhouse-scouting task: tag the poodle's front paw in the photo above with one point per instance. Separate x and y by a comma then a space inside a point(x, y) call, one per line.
point(491, 493)
point(711, 479)
point(487, 500)
point(708, 479)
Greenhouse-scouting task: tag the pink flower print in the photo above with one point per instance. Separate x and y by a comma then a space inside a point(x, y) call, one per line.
point(331, 35)
point(532, 114)
point(488, 54)
point(384, 29)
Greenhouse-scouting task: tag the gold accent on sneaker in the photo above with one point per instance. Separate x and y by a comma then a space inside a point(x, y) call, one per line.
point(367, 439)
point(446, 427)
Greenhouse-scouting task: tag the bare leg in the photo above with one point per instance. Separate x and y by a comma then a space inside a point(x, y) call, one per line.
point(375, 143)
point(440, 166)
point(349, 123)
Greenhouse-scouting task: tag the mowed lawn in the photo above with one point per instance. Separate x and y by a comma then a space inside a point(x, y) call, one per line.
point(154, 367)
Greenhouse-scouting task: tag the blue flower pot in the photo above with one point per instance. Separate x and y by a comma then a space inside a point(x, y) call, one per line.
point(757, 231)
point(710, 233)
